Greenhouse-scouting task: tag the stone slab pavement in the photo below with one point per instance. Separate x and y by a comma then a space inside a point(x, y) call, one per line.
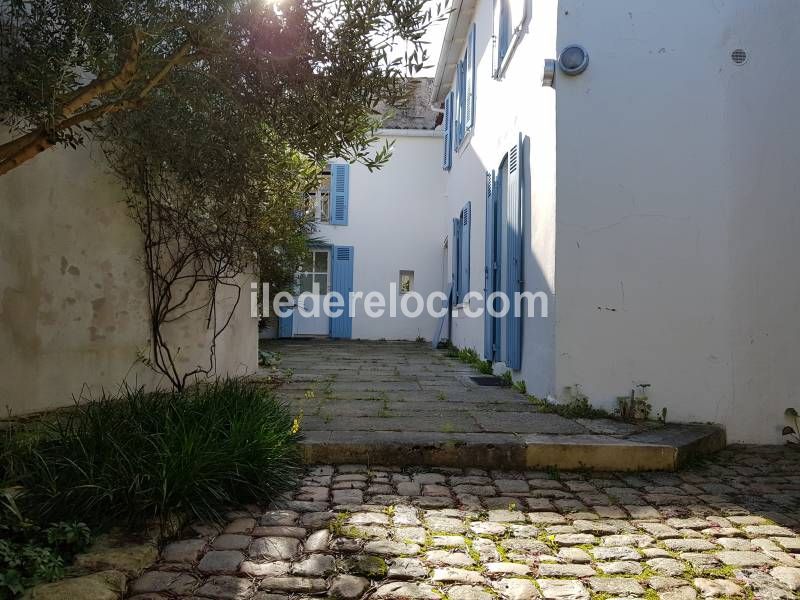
point(728, 527)
point(374, 401)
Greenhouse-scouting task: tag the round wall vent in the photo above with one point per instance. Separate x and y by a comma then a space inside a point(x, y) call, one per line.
point(739, 56)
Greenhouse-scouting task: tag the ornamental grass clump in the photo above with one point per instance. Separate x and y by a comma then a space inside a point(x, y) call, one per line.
point(151, 456)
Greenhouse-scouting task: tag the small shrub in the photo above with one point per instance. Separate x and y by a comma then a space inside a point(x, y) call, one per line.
point(633, 407)
point(576, 407)
point(30, 554)
point(147, 456)
point(521, 387)
point(793, 432)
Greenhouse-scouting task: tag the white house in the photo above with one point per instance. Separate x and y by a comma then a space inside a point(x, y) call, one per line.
point(380, 232)
point(654, 197)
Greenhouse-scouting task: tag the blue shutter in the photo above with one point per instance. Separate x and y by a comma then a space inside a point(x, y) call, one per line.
point(458, 107)
point(447, 156)
point(466, 219)
point(462, 100)
point(342, 282)
point(514, 221)
point(488, 270)
point(470, 80)
point(455, 250)
point(285, 325)
point(340, 193)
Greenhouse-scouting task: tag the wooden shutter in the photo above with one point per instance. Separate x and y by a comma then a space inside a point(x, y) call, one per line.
point(466, 219)
point(342, 282)
point(488, 270)
point(340, 193)
point(447, 126)
point(469, 80)
point(514, 224)
point(454, 247)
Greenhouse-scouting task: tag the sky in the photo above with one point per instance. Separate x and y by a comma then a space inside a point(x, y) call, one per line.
point(433, 36)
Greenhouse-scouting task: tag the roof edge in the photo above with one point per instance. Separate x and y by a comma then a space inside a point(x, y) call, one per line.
point(460, 14)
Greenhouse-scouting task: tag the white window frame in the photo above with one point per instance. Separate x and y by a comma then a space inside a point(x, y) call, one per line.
point(516, 36)
point(317, 196)
point(313, 272)
point(410, 274)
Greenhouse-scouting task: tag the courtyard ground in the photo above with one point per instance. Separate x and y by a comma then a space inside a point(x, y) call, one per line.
point(727, 527)
point(390, 402)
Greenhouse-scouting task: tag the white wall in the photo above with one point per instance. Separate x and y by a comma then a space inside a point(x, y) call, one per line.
point(505, 108)
point(73, 293)
point(678, 212)
point(396, 222)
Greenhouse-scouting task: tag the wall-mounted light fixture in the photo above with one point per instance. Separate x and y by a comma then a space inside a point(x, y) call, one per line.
point(549, 72)
point(573, 60)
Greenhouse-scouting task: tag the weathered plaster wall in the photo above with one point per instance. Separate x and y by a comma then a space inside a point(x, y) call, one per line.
point(73, 303)
point(678, 209)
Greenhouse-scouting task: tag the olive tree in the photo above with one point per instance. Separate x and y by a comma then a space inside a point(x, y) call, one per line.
point(218, 117)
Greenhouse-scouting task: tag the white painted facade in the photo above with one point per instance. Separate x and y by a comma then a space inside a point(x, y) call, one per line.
point(661, 201)
point(394, 223)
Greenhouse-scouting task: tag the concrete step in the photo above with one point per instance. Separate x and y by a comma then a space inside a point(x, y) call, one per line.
point(662, 449)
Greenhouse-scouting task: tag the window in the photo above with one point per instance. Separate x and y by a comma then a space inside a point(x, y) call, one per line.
point(460, 253)
point(459, 105)
point(312, 276)
point(510, 23)
point(319, 201)
point(406, 281)
point(329, 202)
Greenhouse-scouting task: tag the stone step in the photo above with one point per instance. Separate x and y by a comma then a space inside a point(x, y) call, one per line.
point(664, 449)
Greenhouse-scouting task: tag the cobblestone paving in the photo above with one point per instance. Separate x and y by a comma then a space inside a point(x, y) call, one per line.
point(727, 528)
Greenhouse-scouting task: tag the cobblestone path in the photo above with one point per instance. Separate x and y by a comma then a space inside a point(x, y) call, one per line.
point(726, 528)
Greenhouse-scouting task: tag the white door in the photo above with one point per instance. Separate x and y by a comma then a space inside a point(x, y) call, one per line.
point(313, 280)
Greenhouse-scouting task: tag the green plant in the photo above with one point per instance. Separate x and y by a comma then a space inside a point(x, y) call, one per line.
point(469, 356)
point(485, 367)
point(268, 359)
point(30, 554)
point(792, 432)
point(420, 339)
point(635, 407)
point(576, 406)
point(507, 379)
point(145, 456)
point(521, 387)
